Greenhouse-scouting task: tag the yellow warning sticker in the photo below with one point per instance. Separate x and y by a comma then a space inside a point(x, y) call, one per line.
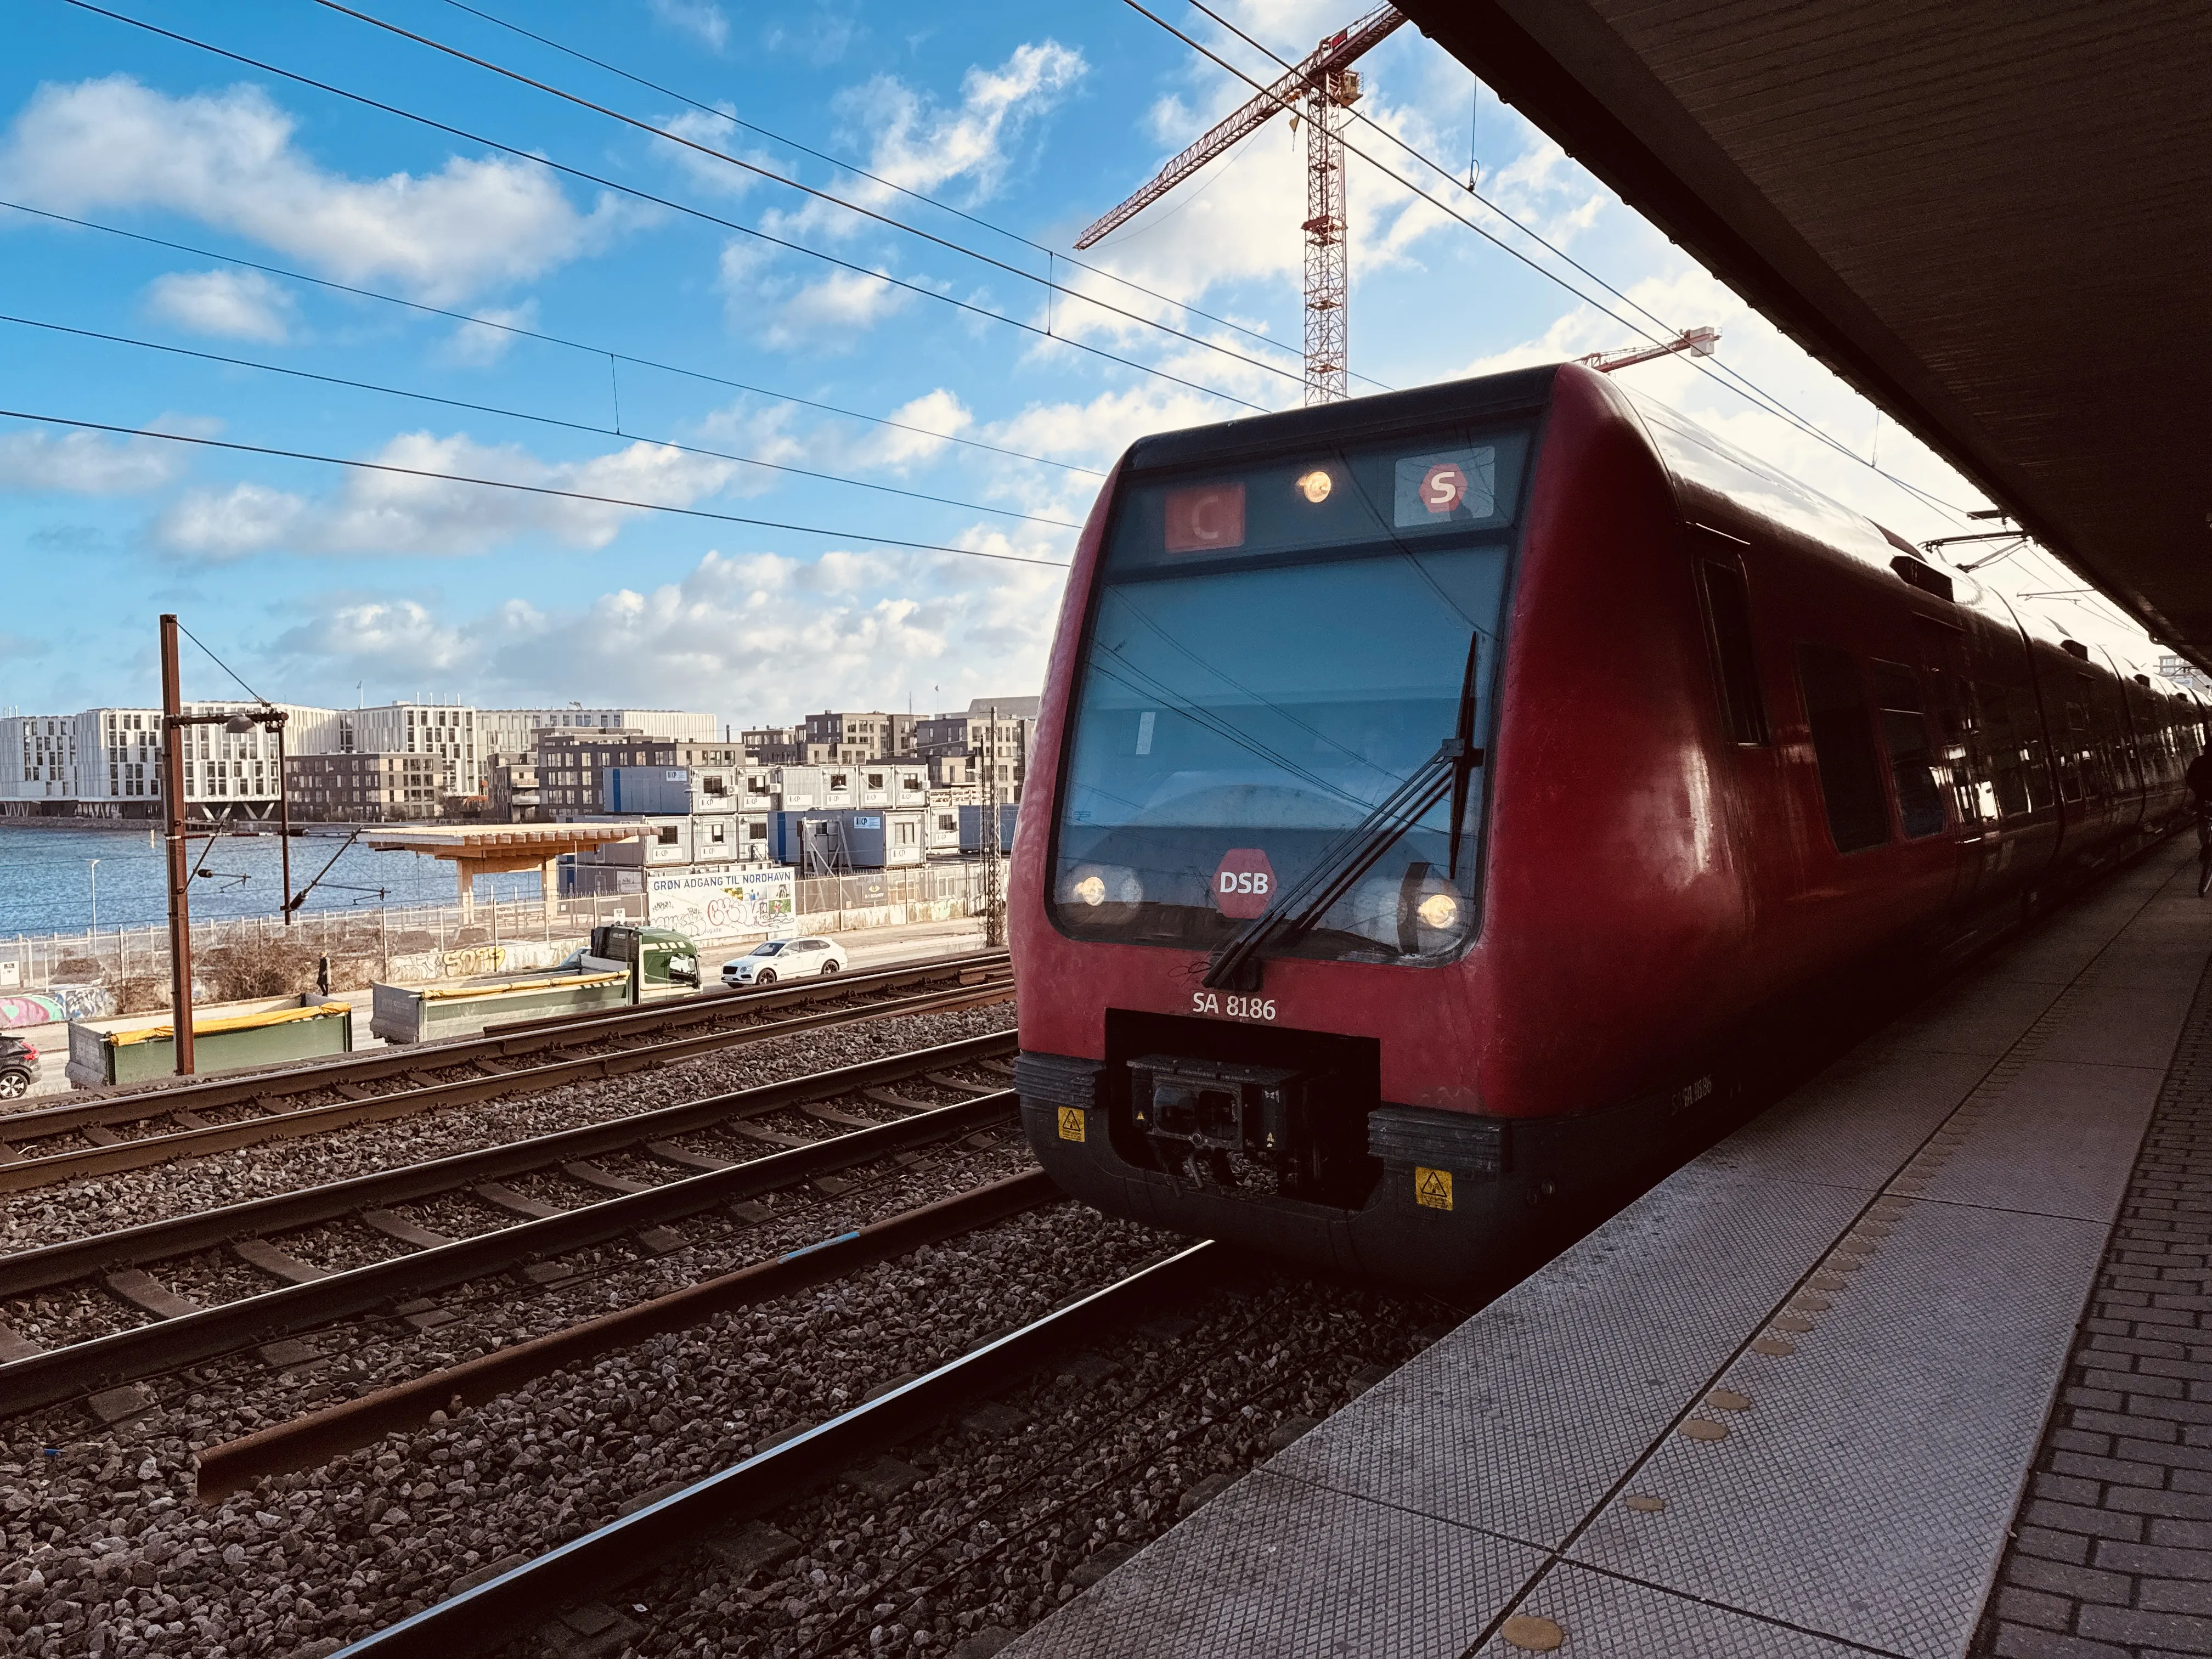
point(1432, 1187)
point(1071, 1126)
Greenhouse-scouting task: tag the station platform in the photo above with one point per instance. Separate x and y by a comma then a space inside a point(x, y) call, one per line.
point(1797, 1400)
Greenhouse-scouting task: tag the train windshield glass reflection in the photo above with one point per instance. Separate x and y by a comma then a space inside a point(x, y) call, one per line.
point(1272, 652)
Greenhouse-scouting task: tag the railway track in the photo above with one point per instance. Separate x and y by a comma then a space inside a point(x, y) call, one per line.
point(511, 1604)
point(219, 1115)
point(690, 1181)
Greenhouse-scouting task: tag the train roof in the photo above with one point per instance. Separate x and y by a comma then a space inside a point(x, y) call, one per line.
point(1708, 462)
point(1691, 454)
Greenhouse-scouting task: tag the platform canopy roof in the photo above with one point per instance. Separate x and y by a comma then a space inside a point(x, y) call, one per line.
point(492, 848)
point(1992, 217)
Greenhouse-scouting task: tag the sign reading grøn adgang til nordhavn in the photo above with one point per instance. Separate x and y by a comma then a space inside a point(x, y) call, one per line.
point(723, 902)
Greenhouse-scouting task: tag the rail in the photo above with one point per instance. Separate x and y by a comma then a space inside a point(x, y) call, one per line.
point(204, 1138)
point(83, 1368)
point(517, 1602)
point(496, 1042)
point(312, 1440)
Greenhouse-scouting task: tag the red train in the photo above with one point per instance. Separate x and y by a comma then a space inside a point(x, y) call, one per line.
point(1435, 795)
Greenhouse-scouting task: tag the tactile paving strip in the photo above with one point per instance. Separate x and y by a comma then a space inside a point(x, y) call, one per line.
point(1526, 1415)
point(1863, 1487)
point(1602, 1617)
point(1856, 1122)
point(1273, 1567)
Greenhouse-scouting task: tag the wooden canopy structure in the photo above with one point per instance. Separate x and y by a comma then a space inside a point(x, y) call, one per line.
point(493, 849)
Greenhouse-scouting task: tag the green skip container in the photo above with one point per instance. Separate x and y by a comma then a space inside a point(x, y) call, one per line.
point(225, 1036)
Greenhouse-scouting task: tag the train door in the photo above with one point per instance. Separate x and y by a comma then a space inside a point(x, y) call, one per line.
point(1963, 765)
point(2135, 756)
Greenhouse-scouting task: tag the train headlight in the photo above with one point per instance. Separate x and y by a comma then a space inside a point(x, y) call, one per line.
point(1316, 485)
point(1105, 884)
point(1440, 911)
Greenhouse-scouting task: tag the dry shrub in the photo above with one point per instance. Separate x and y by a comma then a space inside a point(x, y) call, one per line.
point(245, 969)
point(140, 992)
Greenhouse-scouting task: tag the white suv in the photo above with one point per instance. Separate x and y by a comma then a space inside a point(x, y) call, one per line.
point(784, 958)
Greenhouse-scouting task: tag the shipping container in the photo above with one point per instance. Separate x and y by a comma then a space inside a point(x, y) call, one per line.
point(971, 828)
point(671, 791)
point(822, 843)
point(943, 830)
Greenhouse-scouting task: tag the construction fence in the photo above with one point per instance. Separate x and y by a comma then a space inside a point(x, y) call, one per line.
point(108, 971)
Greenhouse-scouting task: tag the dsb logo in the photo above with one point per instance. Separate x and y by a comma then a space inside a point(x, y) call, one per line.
point(1245, 882)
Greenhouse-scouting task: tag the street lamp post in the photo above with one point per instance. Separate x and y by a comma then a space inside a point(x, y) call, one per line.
point(94, 863)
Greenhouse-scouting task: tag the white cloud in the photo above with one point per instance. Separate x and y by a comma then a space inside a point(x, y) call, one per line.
point(243, 304)
point(833, 312)
point(703, 21)
point(820, 39)
point(478, 345)
point(910, 142)
point(913, 143)
point(696, 126)
point(940, 411)
point(870, 630)
point(228, 159)
point(85, 463)
point(394, 512)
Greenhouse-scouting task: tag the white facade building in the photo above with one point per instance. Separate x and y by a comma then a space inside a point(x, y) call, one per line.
point(38, 757)
point(446, 731)
point(106, 762)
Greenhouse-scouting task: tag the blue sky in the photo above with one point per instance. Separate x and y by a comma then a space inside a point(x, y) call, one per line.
point(314, 581)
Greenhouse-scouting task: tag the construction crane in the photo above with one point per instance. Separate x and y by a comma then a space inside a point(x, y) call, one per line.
point(1319, 89)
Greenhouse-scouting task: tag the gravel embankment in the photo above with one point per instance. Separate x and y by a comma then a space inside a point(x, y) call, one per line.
point(1011, 1513)
point(222, 1399)
point(106, 1556)
point(74, 1209)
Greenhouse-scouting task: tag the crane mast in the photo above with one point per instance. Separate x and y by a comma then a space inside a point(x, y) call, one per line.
point(1319, 89)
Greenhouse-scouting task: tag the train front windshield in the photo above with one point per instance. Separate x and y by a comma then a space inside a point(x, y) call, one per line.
point(1273, 650)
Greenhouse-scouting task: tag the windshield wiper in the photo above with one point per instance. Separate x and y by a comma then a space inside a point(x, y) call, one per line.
point(1297, 908)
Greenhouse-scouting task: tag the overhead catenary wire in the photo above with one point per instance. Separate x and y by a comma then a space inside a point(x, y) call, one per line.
point(524, 488)
point(690, 211)
point(858, 171)
point(1744, 388)
point(789, 183)
point(615, 431)
point(521, 332)
point(225, 666)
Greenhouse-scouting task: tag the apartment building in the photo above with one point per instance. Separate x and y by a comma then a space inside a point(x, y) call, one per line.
point(989, 742)
point(572, 764)
point(364, 788)
point(38, 760)
point(106, 762)
point(852, 735)
point(511, 792)
point(775, 745)
point(515, 731)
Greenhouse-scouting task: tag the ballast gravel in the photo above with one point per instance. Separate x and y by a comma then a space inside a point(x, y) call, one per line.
point(75, 1209)
point(107, 1555)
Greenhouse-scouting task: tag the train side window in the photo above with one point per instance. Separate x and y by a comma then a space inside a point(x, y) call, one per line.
point(2006, 740)
point(2075, 749)
point(1728, 615)
point(1843, 746)
point(1920, 776)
